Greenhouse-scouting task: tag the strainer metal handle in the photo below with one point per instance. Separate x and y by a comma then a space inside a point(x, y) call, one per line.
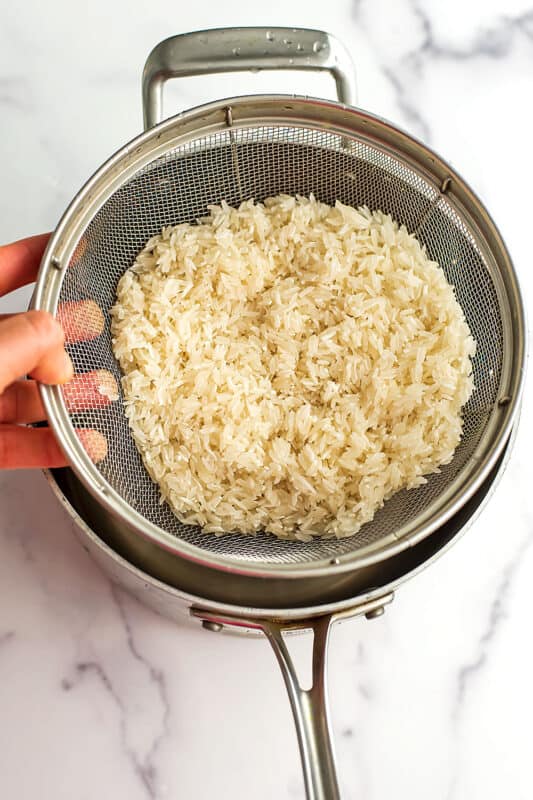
point(244, 49)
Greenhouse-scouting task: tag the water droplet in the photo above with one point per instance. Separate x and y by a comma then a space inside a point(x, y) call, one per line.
point(318, 46)
point(299, 47)
point(291, 61)
point(236, 51)
point(254, 70)
point(288, 42)
point(270, 36)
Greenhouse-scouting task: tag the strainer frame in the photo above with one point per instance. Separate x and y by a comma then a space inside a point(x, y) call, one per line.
point(291, 111)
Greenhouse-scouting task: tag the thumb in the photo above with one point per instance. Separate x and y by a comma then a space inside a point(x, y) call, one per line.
point(32, 343)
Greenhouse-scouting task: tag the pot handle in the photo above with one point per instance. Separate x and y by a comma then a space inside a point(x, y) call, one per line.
point(310, 711)
point(309, 706)
point(239, 50)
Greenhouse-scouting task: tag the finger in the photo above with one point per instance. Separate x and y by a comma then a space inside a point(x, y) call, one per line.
point(95, 389)
point(33, 343)
point(21, 402)
point(22, 447)
point(19, 262)
point(81, 320)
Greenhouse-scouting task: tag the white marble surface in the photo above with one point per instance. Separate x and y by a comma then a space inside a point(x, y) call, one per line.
point(99, 698)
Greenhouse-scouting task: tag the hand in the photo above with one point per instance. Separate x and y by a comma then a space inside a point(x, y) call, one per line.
point(33, 343)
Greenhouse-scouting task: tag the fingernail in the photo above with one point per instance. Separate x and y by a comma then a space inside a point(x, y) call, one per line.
point(67, 370)
point(86, 390)
point(94, 443)
point(106, 384)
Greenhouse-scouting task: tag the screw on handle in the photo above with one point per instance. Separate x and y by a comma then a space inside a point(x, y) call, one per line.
point(243, 49)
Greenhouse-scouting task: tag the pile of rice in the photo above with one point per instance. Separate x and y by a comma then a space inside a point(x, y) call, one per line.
point(288, 366)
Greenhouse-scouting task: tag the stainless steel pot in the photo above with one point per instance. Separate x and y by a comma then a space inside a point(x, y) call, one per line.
point(368, 594)
point(371, 594)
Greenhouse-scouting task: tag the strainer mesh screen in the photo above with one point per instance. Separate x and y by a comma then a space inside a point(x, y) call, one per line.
point(258, 162)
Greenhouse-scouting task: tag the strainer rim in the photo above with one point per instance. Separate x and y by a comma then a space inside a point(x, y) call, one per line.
point(57, 256)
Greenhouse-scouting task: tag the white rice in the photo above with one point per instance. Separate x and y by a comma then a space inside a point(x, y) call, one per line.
point(288, 366)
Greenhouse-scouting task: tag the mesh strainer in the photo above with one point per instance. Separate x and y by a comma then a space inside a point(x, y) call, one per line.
point(255, 147)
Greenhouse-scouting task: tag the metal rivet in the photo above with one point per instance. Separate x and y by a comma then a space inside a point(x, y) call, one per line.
point(211, 626)
point(445, 185)
point(505, 400)
point(375, 612)
point(229, 116)
point(55, 262)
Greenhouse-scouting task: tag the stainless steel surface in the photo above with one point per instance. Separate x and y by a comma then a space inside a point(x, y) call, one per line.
point(214, 627)
point(244, 49)
point(375, 612)
point(171, 174)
